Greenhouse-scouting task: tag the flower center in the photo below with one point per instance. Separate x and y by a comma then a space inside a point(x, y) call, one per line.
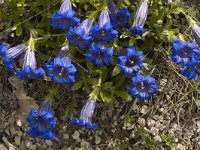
point(60, 71)
point(132, 61)
point(63, 21)
point(195, 67)
point(142, 87)
point(185, 52)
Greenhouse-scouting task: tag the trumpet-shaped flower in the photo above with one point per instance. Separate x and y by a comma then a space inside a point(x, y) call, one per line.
point(29, 69)
point(79, 37)
point(183, 53)
point(119, 18)
point(61, 71)
point(131, 62)
point(192, 70)
point(140, 19)
point(99, 54)
point(86, 115)
point(9, 55)
point(104, 30)
point(41, 122)
point(196, 33)
point(65, 17)
point(142, 86)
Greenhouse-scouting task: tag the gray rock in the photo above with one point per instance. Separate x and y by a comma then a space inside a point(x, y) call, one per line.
point(66, 136)
point(49, 143)
point(154, 131)
point(33, 147)
point(18, 140)
point(76, 135)
point(141, 121)
point(2, 147)
point(97, 140)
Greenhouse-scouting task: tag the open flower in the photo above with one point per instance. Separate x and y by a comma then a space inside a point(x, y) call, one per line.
point(29, 69)
point(104, 30)
point(119, 18)
point(99, 54)
point(9, 55)
point(183, 53)
point(192, 70)
point(80, 36)
point(86, 115)
point(140, 19)
point(131, 62)
point(61, 70)
point(65, 17)
point(41, 122)
point(142, 86)
point(196, 33)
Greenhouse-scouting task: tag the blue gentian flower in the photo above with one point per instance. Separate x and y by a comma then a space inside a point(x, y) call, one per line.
point(119, 18)
point(104, 30)
point(184, 52)
point(131, 62)
point(99, 54)
point(29, 69)
point(9, 55)
point(192, 70)
point(86, 115)
point(65, 17)
point(79, 37)
point(41, 122)
point(142, 86)
point(196, 33)
point(140, 19)
point(61, 70)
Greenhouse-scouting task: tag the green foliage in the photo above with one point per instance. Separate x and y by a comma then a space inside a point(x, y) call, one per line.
point(167, 138)
point(150, 143)
point(23, 15)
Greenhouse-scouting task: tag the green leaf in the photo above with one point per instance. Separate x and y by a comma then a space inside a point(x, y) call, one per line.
point(19, 30)
point(127, 2)
point(105, 96)
point(90, 66)
point(107, 85)
point(77, 85)
point(116, 71)
point(123, 95)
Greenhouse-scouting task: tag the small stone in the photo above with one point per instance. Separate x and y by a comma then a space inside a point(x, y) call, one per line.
point(2, 147)
point(156, 117)
point(19, 133)
point(76, 135)
point(19, 122)
point(85, 144)
point(158, 138)
point(13, 131)
point(18, 140)
point(151, 122)
point(66, 136)
point(180, 147)
point(97, 140)
point(176, 140)
point(141, 121)
point(144, 109)
point(33, 147)
point(49, 143)
point(28, 144)
point(154, 131)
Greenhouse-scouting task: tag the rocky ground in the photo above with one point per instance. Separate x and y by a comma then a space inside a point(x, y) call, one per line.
point(171, 121)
